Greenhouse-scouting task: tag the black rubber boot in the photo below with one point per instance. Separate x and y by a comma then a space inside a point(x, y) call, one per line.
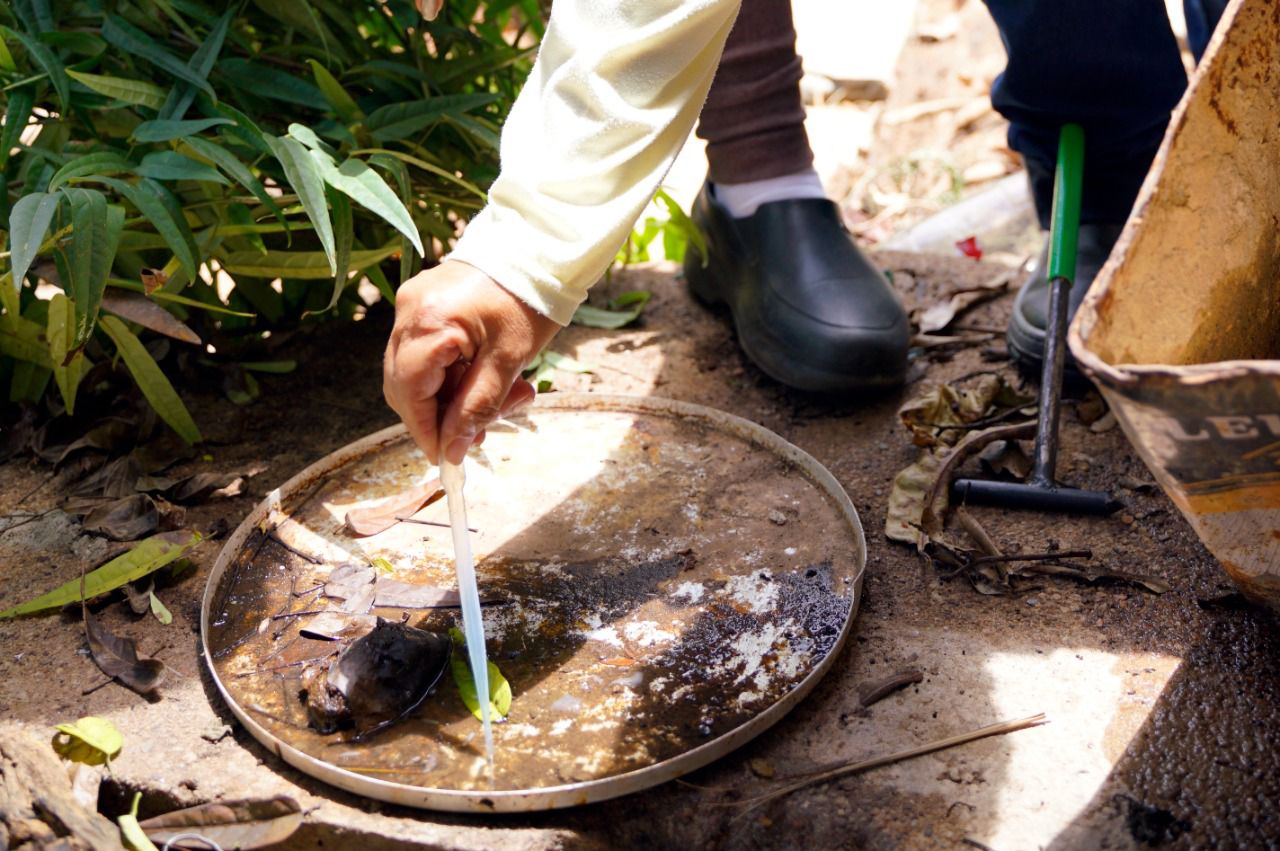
point(809, 308)
point(1031, 306)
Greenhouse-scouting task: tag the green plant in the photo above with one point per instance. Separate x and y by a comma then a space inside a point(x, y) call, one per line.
point(221, 161)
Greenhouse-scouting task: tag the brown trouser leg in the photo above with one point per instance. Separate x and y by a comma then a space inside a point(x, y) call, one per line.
point(753, 120)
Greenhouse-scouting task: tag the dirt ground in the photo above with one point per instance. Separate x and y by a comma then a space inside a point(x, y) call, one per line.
point(1162, 723)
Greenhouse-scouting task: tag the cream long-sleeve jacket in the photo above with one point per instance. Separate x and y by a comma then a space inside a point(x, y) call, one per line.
point(614, 93)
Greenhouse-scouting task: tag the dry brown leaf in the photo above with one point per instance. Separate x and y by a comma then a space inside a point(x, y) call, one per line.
point(118, 657)
point(1006, 458)
point(231, 824)
point(940, 315)
point(126, 519)
point(136, 307)
point(363, 522)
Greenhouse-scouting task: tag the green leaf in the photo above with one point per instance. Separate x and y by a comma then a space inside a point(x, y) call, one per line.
point(684, 225)
point(313, 265)
point(134, 42)
point(200, 64)
point(499, 688)
point(103, 162)
point(265, 81)
point(171, 165)
point(173, 298)
point(478, 130)
point(163, 131)
point(28, 223)
point(305, 179)
point(397, 120)
point(238, 172)
point(384, 565)
point(333, 92)
point(344, 235)
point(157, 205)
point(364, 186)
point(68, 368)
point(23, 339)
point(92, 741)
point(613, 317)
point(132, 836)
point(28, 383)
point(48, 62)
point(6, 58)
point(16, 115)
point(146, 557)
point(417, 162)
point(151, 381)
point(130, 91)
point(157, 608)
point(238, 214)
point(90, 253)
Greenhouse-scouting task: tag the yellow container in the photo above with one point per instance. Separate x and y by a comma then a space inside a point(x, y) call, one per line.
point(1181, 330)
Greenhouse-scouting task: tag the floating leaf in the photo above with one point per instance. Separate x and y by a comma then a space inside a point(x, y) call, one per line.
point(231, 824)
point(499, 688)
point(118, 657)
point(383, 565)
point(151, 381)
point(91, 740)
point(130, 91)
point(144, 558)
point(363, 522)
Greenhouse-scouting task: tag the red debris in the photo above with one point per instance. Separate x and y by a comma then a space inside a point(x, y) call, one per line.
point(969, 247)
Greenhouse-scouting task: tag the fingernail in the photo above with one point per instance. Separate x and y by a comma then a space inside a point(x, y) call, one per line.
point(458, 449)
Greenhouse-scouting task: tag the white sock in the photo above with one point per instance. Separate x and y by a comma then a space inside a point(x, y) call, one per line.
point(743, 199)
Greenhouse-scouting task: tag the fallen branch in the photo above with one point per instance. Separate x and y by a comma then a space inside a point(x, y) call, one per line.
point(846, 769)
point(874, 692)
point(980, 560)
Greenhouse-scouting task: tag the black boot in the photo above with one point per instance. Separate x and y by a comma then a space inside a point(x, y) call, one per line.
point(809, 308)
point(1031, 307)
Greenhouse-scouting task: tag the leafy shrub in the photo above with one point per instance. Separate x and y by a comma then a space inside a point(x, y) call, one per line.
point(202, 169)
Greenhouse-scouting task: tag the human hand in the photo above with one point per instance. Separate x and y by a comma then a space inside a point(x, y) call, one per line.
point(429, 8)
point(459, 341)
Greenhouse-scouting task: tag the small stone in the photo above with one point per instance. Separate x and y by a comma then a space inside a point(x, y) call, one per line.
point(215, 733)
point(1126, 519)
point(762, 768)
point(777, 518)
point(1032, 601)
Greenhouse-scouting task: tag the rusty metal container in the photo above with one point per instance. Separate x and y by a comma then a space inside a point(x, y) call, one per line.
point(1181, 330)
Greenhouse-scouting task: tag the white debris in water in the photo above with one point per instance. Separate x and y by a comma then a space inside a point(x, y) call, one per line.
point(630, 680)
point(659, 685)
point(568, 704)
point(750, 650)
point(561, 727)
point(605, 635)
point(692, 591)
point(647, 633)
point(691, 512)
point(749, 697)
point(526, 730)
point(790, 551)
point(756, 591)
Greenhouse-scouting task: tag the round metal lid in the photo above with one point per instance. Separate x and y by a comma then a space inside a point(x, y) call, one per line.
point(665, 582)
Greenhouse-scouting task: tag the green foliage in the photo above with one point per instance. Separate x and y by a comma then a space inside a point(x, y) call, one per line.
point(225, 160)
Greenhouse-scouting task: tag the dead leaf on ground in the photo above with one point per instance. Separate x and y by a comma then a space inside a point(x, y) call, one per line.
point(231, 824)
point(363, 522)
point(1006, 458)
point(126, 519)
point(941, 413)
point(108, 436)
point(136, 307)
point(939, 315)
point(1092, 575)
point(118, 657)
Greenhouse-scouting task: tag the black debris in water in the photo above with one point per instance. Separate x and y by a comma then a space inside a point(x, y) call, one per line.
point(378, 679)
